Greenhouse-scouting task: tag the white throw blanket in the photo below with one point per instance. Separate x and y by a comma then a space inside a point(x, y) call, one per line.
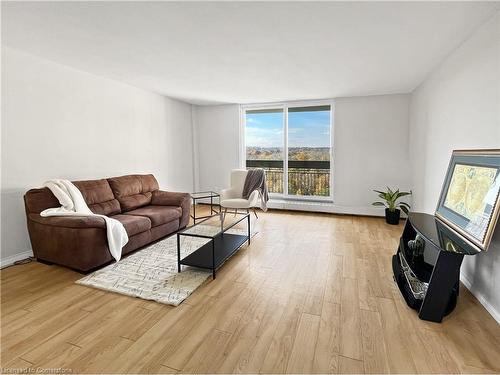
point(73, 204)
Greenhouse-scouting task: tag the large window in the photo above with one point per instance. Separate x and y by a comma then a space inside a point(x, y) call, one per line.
point(293, 145)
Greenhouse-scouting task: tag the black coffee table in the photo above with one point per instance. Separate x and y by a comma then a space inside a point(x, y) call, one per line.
point(222, 245)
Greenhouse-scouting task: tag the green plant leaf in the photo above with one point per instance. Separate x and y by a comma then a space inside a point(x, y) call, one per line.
point(402, 194)
point(404, 209)
point(391, 198)
point(378, 203)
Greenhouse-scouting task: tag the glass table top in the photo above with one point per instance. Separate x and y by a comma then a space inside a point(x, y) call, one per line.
point(204, 194)
point(214, 225)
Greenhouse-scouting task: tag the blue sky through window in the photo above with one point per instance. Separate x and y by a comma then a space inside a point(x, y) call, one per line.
point(305, 129)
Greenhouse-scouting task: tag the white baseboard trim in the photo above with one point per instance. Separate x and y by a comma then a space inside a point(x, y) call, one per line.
point(4, 262)
point(326, 207)
point(318, 206)
point(482, 300)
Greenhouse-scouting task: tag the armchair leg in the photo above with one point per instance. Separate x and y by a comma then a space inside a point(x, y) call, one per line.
point(235, 212)
point(255, 212)
point(224, 214)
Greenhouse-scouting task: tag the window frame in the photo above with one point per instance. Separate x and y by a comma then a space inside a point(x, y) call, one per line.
point(284, 106)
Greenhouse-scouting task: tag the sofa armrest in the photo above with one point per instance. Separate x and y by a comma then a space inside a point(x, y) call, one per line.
point(168, 198)
point(77, 242)
point(69, 221)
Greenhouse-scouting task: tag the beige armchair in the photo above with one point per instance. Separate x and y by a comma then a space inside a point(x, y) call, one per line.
point(232, 197)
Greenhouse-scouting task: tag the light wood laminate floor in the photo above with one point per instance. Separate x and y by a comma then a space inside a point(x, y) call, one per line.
point(312, 294)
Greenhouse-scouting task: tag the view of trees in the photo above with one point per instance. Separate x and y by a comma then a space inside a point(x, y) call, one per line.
point(301, 181)
point(294, 153)
point(309, 182)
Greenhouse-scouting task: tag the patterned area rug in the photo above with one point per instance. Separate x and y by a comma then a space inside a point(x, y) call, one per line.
point(151, 273)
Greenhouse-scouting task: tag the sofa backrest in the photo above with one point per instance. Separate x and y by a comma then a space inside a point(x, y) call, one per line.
point(133, 191)
point(99, 196)
point(105, 196)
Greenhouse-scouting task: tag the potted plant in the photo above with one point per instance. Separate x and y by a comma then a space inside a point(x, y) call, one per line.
point(391, 204)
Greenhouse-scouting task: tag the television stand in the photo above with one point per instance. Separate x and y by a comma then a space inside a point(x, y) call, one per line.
point(427, 264)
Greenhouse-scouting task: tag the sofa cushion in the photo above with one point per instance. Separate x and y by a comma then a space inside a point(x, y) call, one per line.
point(158, 214)
point(133, 191)
point(99, 196)
point(133, 224)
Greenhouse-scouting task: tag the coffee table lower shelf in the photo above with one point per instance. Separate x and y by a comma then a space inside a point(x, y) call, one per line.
point(214, 253)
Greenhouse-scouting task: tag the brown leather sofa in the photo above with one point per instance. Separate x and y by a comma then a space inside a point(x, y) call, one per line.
point(146, 212)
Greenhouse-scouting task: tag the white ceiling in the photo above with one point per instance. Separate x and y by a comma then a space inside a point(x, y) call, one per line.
point(244, 52)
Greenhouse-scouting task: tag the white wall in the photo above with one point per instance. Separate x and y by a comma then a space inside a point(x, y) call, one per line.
point(370, 150)
point(58, 122)
point(217, 141)
point(458, 107)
